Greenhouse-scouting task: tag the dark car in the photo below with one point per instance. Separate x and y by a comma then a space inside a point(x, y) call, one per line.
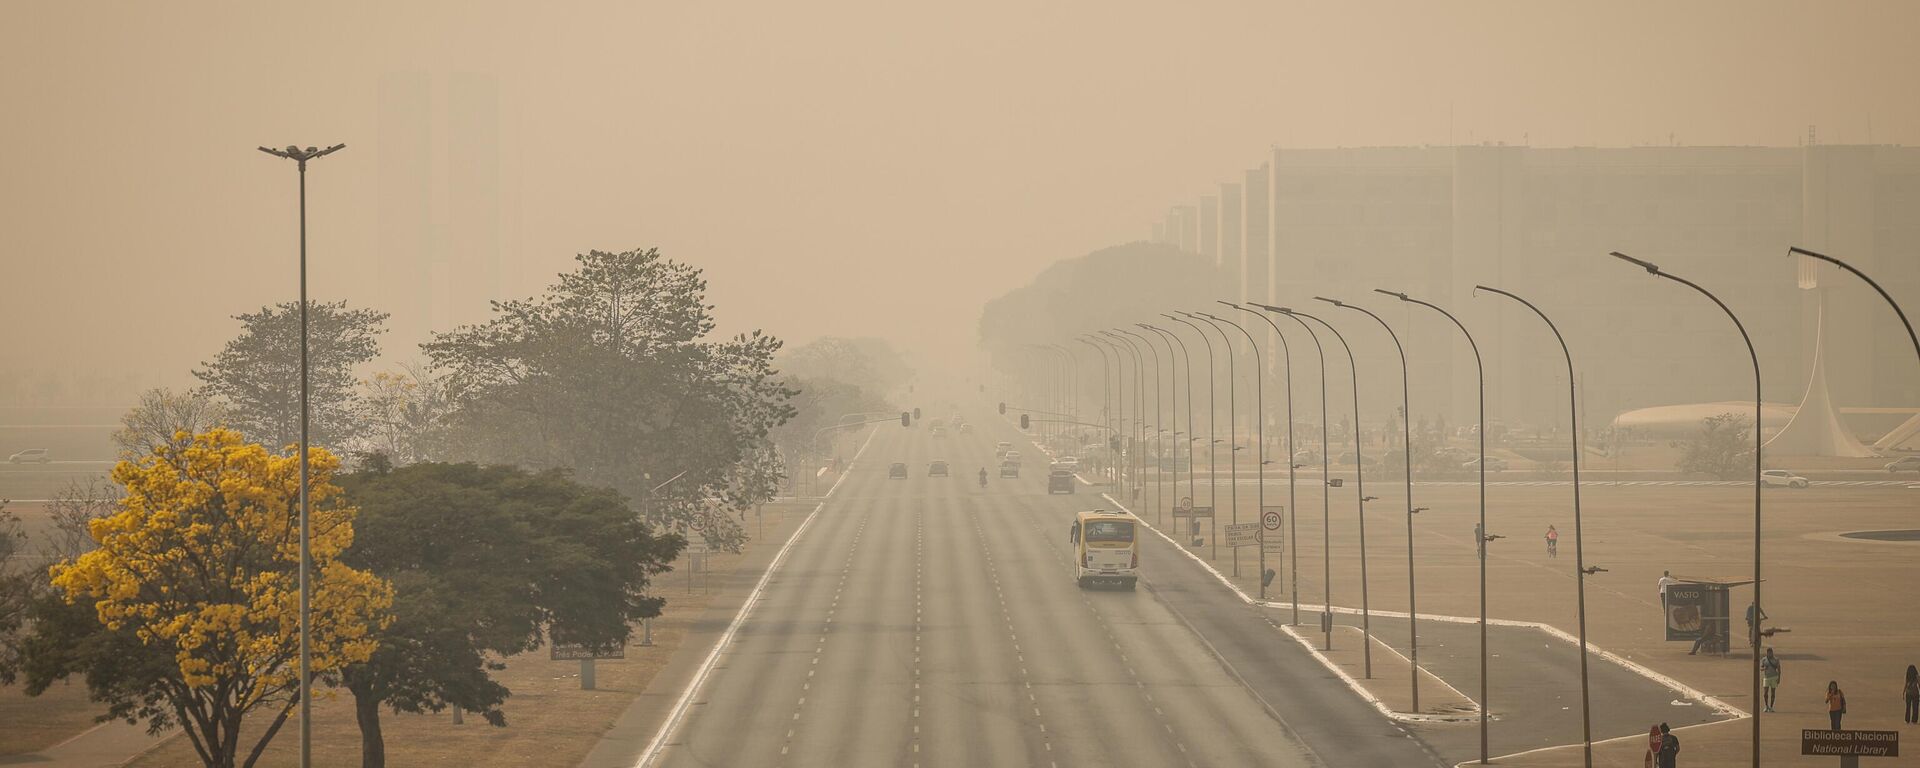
point(897, 472)
point(1060, 481)
point(1010, 469)
point(937, 469)
point(1904, 464)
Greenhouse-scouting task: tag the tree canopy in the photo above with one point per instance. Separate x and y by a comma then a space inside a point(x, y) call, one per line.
point(488, 562)
point(610, 372)
point(257, 375)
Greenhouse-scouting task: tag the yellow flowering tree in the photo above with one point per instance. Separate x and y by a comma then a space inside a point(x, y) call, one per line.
point(200, 567)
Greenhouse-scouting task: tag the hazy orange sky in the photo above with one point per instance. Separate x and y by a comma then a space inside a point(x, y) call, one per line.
point(855, 168)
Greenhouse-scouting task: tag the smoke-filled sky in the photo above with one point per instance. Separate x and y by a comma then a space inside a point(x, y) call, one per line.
point(851, 168)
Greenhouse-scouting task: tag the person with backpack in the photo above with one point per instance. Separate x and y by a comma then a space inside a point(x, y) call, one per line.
point(1836, 703)
point(1770, 676)
point(1669, 748)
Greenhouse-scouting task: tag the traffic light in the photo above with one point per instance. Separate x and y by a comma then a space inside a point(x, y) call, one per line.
point(906, 419)
point(916, 413)
point(1023, 421)
point(1003, 408)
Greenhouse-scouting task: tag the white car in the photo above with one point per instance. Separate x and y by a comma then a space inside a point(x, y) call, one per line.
point(30, 456)
point(1068, 463)
point(1782, 478)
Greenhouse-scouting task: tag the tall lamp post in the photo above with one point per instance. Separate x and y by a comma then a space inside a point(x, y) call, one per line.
point(1213, 474)
point(1153, 355)
point(1406, 445)
point(1293, 540)
point(1167, 337)
point(1581, 572)
point(300, 157)
point(1106, 385)
point(1359, 493)
point(1326, 481)
point(1233, 433)
point(1753, 638)
point(1139, 408)
point(1260, 449)
point(1068, 379)
point(1481, 529)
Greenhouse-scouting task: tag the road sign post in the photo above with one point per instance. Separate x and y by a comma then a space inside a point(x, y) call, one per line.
point(1243, 534)
point(586, 655)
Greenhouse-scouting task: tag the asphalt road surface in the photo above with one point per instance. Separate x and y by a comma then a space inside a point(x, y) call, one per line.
point(931, 622)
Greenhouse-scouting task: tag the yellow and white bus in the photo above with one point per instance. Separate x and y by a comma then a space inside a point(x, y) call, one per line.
point(1106, 550)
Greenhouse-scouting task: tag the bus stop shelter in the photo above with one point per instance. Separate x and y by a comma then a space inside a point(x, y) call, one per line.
point(1702, 610)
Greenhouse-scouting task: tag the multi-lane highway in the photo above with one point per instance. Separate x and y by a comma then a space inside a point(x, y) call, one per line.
point(928, 621)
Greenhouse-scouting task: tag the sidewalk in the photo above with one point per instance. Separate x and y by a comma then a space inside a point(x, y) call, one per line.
point(107, 745)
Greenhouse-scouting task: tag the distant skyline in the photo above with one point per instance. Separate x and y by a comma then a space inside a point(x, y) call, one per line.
point(843, 169)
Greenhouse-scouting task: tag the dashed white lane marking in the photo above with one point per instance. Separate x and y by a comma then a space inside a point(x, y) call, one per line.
point(1013, 637)
point(1138, 684)
point(826, 628)
point(919, 575)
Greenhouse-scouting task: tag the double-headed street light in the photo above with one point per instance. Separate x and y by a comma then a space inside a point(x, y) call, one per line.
point(1293, 540)
point(1480, 530)
point(301, 156)
point(1106, 385)
point(1154, 356)
point(1139, 407)
point(1406, 440)
point(1579, 558)
point(1753, 628)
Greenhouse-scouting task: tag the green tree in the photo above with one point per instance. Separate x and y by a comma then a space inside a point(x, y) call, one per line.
point(257, 375)
point(485, 562)
point(18, 585)
point(1723, 449)
point(610, 373)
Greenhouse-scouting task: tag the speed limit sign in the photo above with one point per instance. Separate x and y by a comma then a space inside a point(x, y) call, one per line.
point(1271, 518)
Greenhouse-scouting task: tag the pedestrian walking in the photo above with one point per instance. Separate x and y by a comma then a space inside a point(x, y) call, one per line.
point(1666, 580)
point(1073, 533)
point(1553, 542)
point(1770, 676)
point(1669, 748)
point(1836, 703)
point(1653, 746)
point(1912, 694)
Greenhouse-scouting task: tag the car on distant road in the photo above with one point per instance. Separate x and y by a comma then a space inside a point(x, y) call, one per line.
point(966, 429)
point(1068, 463)
point(1013, 456)
point(1010, 469)
point(1347, 458)
point(937, 469)
point(1494, 464)
point(1060, 481)
point(1773, 478)
point(1000, 448)
point(939, 431)
point(898, 471)
point(31, 456)
point(1306, 456)
point(1904, 464)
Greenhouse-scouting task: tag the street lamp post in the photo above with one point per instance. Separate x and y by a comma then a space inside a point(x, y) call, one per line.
point(300, 157)
point(1293, 540)
point(1406, 445)
point(1360, 494)
point(1213, 474)
point(1139, 407)
point(1173, 382)
point(1106, 383)
point(1481, 529)
point(1579, 557)
point(1154, 357)
point(1326, 482)
point(1753, 629)
point(1233, 433)
point(1876, 287)
point(1260, 449)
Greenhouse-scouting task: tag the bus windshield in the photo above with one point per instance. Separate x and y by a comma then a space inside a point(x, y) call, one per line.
point(1112, 531)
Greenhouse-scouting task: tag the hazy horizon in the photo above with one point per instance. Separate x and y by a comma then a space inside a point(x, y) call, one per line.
point(826, 167)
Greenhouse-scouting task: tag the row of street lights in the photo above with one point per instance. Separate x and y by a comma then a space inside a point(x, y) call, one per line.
point(1197, 321)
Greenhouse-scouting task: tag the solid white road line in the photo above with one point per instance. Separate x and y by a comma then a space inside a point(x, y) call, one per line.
point(678, 715)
